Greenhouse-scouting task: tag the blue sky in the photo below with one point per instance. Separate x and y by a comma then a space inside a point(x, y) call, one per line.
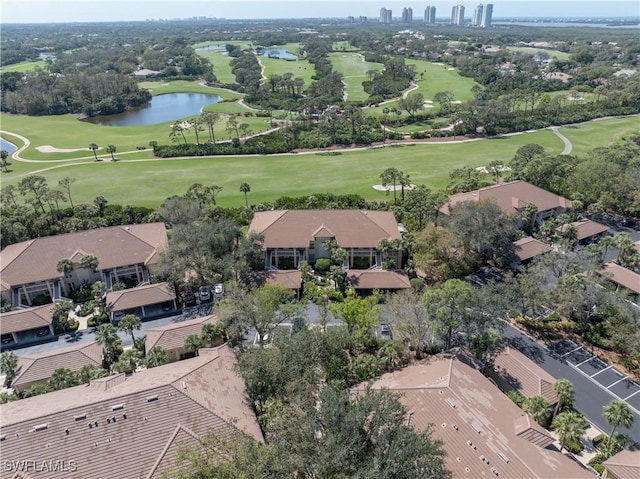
point(43, 11)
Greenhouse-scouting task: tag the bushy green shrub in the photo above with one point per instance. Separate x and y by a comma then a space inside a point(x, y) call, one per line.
point(599, 468)
point(516, 397)
point(417, 284)
point(573, 447)
point(323, 265)
point(597, 459)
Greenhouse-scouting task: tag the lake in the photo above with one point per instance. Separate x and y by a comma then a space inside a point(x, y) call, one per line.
point(161, 108)
point(278, 53)
point(5, 145)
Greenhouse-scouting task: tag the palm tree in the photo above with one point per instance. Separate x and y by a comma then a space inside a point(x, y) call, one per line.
point(63, 378)
point(36, 390)
point(617, 413)
point(625, 246)
point(153, 144)
point(128, 361)
point(605, 244)
point(192, 343)
point(211, 333)
point(156, 356)
point(89, 372)
point(107, 337)
point(390, 355)
point(4, 154)
point(64, 266)
point(245, 188)
point(8, 365)
point(94, 147)
point(129, 324)
point(111, 149)
point(89, 261)
point(569, 426)
point(538, 408)
point(564, 390)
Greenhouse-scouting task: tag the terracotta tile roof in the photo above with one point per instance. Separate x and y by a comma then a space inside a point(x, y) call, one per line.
point(529, 247)
point(24, 319)
point(172, 336)
point(622, 276)
point(523, 374)
point(624, 465)
point(137, 423)
point(585, 228)
point(35, 260)
point(140, 296)
point(377, 279)
point(40, 368)
point(511, 197)
point(351, 228)
point(475, 421)
point(288, 278)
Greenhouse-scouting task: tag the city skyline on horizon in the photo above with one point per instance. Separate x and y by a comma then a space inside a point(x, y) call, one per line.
point(65, 11)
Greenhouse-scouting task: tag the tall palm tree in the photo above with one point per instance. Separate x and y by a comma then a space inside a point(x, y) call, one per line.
point(64, 266)
point(569, 426)
point(8, 365)
point(107, 337)
point(211, 333)
point(129, 324)
point(617, 413)
point(4, 154)
point(625, 246)
point(192, 343)
point(111, 149)
point(538, 408)
point(245, 188)
point(564, 390)
point(89, 261)
point(94, 147)
point(128, 361)
point(156, 356)
point(63, 378)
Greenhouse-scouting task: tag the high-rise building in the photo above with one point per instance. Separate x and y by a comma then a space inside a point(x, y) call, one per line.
point(430, 14)
point(457, 15)
point(477, 16)
point(407, 15)
point(386, 15)
point(486, 16)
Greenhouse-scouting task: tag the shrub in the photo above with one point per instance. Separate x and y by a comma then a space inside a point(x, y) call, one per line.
point(573, 447)
point(597, 459)
point(73, 325)
point(599, 468)
point(417, 284)
point(323, 265)
point(516, 397)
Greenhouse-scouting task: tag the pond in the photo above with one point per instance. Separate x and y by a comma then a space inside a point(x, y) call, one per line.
point(7, 146)
point(161, 108)
point(278, 53)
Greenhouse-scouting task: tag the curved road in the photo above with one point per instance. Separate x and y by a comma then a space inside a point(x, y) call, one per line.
point(567, 144)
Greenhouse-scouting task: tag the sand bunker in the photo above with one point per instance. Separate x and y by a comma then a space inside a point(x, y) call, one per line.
point(53, 149)
point(390, 187)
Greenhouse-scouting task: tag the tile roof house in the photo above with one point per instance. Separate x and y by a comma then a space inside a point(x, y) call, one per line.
point(528, 248)
point(294, 236)
point(125, 253)
point(585, 229)
point(39, 368)
point(624, 465)
point(622, 277)
point(514, 371)
point(24, 325)
point(171, 336)
point(484, 433)
point(129, 426)
point(151, 300)
point(513, 197)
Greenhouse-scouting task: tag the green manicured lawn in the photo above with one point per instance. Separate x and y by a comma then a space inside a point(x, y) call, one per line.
point(220, 62)
point(533, 51)
point(344, 46)
point(160, 87)
point(140, 180)
point(277, 66)
point(23, 66)
point(354, 71)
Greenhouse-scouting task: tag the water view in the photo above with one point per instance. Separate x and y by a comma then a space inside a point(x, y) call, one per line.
point(161, 108)
point(6, 146)
point(278, 53)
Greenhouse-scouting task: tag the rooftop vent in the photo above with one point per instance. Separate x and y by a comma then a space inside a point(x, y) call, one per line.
point(451, 403)
point(444, 424)
point(117, 407)
point(66, 431)
point(455, 427)
point(40, 427)
point(458, 459)
point(471, 444)
point(484, 459)
point(184, 385)
point(80, 417)
point(495, 472)
point(152, 398)
point(476, 428)
point(3, 437)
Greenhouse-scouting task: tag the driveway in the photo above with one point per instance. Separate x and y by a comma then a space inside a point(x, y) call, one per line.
point(579, 367)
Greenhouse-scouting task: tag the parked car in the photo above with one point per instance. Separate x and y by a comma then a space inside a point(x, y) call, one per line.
point(42, 332)
point(204, 293)
point(384, 331)
point(7, 339)
point(117, 316)
point(219, 289)
point(189, 298)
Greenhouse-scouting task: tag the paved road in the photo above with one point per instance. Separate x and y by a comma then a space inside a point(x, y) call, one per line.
point(567, 144)
point(589, 396)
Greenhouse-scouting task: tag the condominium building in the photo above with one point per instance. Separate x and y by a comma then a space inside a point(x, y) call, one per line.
point(386, 15)
point(407, 15)
point(430, 15)
point(486, 16)
point(457, 15)
point(477, 16)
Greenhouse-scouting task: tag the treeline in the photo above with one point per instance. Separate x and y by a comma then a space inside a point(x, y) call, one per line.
point(40, 92)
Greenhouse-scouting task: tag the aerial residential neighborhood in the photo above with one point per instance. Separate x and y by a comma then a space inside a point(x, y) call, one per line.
point(357, 240)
